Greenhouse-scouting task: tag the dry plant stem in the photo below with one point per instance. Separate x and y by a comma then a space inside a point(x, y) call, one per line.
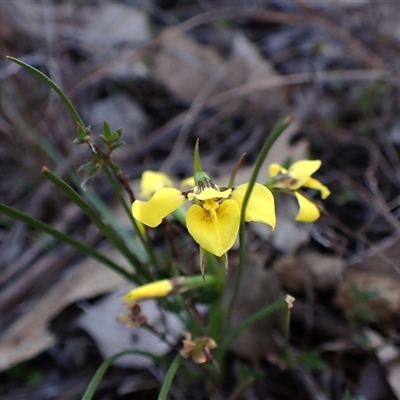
point(167, 130)
point(45, 269)
point(235, 170)
point(297, 79)
point(238, 391)
point(145, 242)
point(193, 112)
point(125, 185)
point(354, 46)
point(191, 23)
point(270, 140)
point(208, 16)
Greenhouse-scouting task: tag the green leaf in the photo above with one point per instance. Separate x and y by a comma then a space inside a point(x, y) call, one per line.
point(91, 389)
point(53, 85)
point(41, 226)
point(109, 233)
point(163, 395)
point(106, 130)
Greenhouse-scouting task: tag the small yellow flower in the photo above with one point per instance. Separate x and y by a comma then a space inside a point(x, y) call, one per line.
point(198, 348)
point(213, 219)
point(161, 288)
point(154, 289)
point(296, 177)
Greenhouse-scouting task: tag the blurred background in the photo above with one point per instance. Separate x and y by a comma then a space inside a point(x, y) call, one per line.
point(169, 72)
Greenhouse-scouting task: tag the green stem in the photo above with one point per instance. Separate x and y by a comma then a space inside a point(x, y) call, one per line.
point(98, 376)
point(34, 223)
point(145, 243)
point(53, 85)
point(198, 281)
point(169, 377)
point(223, 348)
point(103, 228)
point(286, 334)
point(270, 140)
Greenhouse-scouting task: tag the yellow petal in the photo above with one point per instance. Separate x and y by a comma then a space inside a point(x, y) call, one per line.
point(210, 193)
point(155, 289)
point(317, 185)
point(151, 182)
point(163, 202)
point(308, 211)
point(274, 169)
point(187, 184)
point(261, 205)
point(214, 230)
point(302, 170)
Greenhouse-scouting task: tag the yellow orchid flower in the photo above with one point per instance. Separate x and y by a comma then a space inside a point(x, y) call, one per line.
point(152, 181)
point(213, 219)
point(296, 177)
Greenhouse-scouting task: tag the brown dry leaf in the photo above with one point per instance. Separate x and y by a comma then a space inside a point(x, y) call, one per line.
point(29, 335)
point(320, 271)
point(112, 23)
point(28, 18)
point(247, 65)
point(376, 273)
point(388, 356)
point(184, 66)
point(203, 72)
point(384, 298)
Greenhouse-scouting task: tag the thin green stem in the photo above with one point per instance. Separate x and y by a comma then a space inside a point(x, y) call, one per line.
point(270, 140)
point(98, 376)
point(103, 228)
point(169, 377)
point(35, 223)
point(286, 335)
point(222, 349)
point(53, 85)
